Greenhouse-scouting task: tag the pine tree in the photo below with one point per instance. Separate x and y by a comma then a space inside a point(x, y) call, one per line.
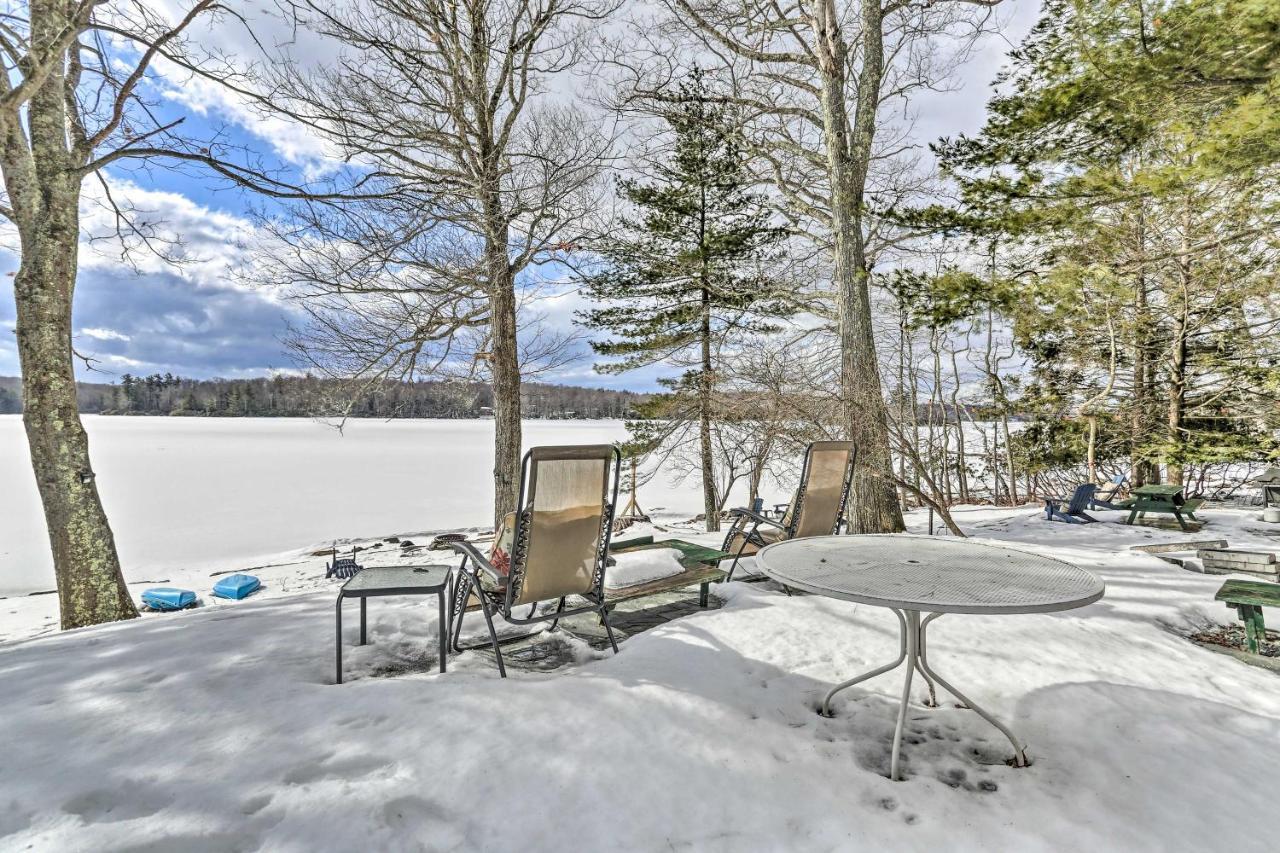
point(1126, 161)
point(685, 277)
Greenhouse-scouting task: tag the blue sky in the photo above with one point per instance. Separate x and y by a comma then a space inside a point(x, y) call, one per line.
point(200, 320)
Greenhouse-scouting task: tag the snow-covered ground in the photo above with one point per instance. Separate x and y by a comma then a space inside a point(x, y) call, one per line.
point(231, 493)
point(221, 729)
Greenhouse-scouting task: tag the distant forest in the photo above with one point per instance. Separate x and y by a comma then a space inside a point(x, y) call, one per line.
point(307, 396)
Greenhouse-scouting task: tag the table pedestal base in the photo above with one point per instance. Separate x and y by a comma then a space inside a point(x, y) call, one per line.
point(912, 650)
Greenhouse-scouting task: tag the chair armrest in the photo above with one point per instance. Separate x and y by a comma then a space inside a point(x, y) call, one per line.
point(469, 550)
point(743, 512)
point(442, 541)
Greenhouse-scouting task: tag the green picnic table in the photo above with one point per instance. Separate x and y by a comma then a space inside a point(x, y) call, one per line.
point(1163, 499)
point(701, 566)
point(1247, 598)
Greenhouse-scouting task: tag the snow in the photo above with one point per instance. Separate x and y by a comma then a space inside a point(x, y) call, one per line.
point(642, 567)
point(221, 729)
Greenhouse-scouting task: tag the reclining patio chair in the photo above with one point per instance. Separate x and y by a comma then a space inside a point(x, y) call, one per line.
point(557, 547)
point(817, 509)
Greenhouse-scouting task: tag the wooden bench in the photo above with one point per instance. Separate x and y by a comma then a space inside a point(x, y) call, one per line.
point(1248, 598)
point(1162, 499)
point(701, 564)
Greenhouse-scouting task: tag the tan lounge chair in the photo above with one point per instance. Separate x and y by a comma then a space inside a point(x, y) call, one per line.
point(817, 509)
point(558, 545)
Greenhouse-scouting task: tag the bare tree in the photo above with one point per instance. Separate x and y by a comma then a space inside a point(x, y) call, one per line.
point(793, 68)
point(70, 105)
point(454, 102)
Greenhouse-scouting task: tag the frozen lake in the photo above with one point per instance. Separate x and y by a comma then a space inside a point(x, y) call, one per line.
point(195, 492)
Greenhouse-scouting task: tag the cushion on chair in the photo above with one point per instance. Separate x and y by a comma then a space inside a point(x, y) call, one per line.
point(503, 540)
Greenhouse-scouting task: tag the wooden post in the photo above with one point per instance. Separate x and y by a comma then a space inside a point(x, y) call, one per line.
point(632, 509)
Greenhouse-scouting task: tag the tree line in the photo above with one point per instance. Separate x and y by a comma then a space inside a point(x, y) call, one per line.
point(309, 396)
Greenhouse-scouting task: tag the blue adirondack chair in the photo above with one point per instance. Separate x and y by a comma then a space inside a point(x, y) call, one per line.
point(1074, 513)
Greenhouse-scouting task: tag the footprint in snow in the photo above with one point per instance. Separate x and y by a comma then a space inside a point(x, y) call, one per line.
point(131, 800)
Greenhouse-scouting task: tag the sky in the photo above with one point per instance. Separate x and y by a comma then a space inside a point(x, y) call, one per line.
point(200, 319)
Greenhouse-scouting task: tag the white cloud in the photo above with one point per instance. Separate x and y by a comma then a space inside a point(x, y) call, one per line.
point(121, 361)
point(202, 245)
point(104, 334)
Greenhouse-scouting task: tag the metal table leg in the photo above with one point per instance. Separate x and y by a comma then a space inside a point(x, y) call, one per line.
point(444, 627)
point(913, 650)
point(913, 653)
point(364, 600)
point(338, 645)
point(924, 629)
point(902, 655)
point(1019, 749)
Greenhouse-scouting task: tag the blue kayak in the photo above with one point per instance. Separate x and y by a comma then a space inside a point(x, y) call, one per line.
point(236, 587)
point(168, 598)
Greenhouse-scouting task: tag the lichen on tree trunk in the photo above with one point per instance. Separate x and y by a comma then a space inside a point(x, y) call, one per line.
point(91, 587)
point(505, 372)
point(42, 167)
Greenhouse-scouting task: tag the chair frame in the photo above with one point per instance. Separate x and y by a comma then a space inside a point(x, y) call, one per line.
point(503, 603)
point(742, 515)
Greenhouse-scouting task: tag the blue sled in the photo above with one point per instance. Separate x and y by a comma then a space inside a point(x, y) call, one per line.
point(236, 587)
point(168, 598)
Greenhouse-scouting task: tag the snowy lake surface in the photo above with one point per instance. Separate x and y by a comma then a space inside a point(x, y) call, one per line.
point(222, 493)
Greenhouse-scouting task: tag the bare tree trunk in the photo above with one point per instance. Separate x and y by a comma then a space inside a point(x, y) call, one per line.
point(45, 192)
point(1009, 460)
point(757, 470)
point(505, 372)
point(962, 474)
point(902, 398)
point(1175, 437)
point(1091, 449)
point(936, 405)
point(1177, 395)
point(875, 507)
point(1141, 467)
point(709, 501)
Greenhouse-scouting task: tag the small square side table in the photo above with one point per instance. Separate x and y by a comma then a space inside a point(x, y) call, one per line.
point(395, 580)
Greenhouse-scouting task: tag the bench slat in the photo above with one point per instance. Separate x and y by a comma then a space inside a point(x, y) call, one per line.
point(1257, 593)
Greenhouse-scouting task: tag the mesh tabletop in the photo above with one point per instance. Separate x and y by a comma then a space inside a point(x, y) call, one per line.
point(407, 578)
point(929, 574)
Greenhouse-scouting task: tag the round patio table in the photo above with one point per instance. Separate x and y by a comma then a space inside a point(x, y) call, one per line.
point(912, 575)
